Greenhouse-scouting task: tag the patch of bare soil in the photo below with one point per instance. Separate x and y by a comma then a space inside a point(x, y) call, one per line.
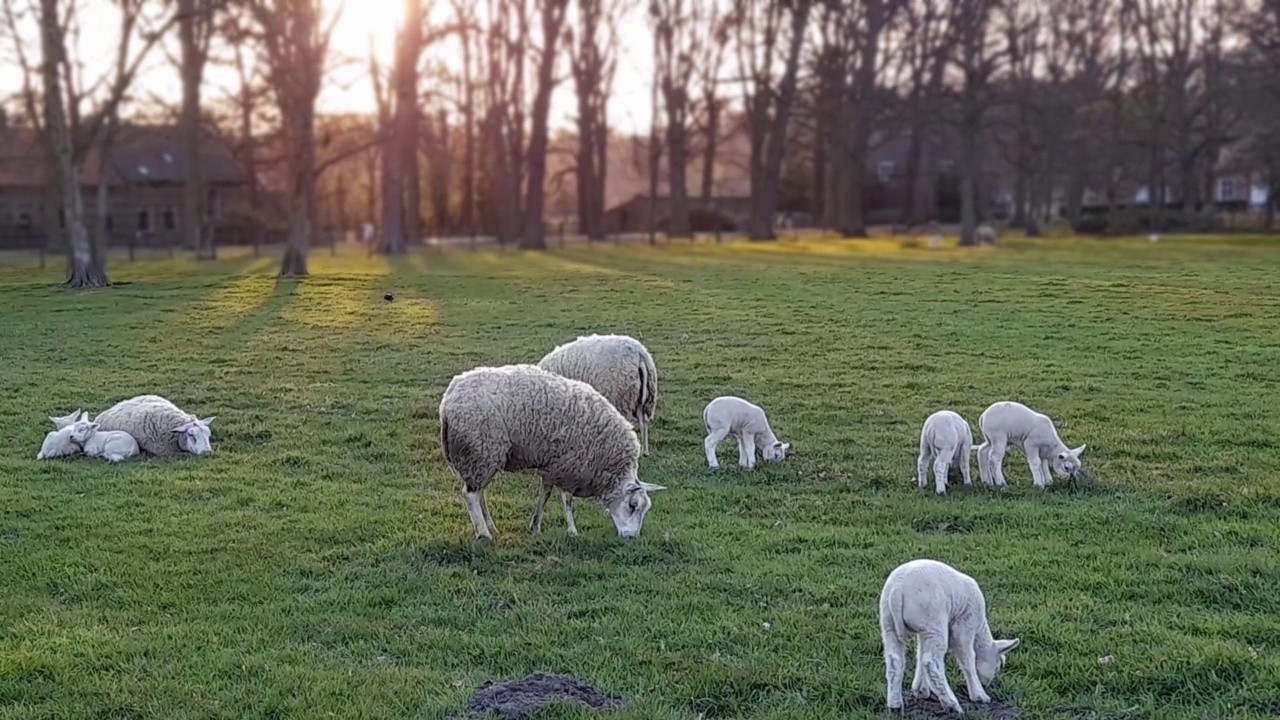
point(522, 699)
point(929, 709)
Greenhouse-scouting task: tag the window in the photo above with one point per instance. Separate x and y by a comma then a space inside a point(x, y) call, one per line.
point(1227, 190)
point(884, 171)
point(170, 219)
point(144, 220)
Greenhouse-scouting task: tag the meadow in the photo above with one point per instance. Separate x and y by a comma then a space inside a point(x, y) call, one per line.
point(320, 564)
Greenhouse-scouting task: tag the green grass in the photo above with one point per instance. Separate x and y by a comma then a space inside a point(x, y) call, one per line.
point(319, 562)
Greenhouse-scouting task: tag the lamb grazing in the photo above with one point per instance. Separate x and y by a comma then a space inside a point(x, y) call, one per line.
point(618, 367)
point(114, 445)
point(58, 444)
point(159, 426)
point(521, 417)
point(726, 416)
point(1010, 423)
point(65, 420)
point(945, 440)
point(945, 610)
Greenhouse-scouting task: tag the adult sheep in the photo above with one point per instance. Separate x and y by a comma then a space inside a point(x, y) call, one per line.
point(159, 426)
point(618, 367)
point(520, 417)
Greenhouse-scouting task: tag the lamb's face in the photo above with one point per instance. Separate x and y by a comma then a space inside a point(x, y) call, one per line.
point(194, 437)
point(777, 452)
point(990, 660)
point(1067, 464)
point(629, 508)
point(82, 430)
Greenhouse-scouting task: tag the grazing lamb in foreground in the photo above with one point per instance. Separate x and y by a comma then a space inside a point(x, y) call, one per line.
point(728, 415)
point(618, 367)
point(945, 440)
point(1010, 423)
point(114, 445)
point(521, 417)
point(58, 444)
point(945, 610)
point(159, 426)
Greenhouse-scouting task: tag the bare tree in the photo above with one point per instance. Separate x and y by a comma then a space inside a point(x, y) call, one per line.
point(594, 60)
point(552, 14)
point(925, 45)
point(680, 30)
point(770, 35)
point(707, 72)
point(294, 39)
point(197, 22)
point(399, 119)
point(978, 58)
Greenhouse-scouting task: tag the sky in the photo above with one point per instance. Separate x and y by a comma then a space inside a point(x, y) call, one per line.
point(350, 90)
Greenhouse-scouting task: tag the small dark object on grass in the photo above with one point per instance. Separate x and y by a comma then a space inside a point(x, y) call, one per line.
point(521, 699)
point(388, 297)
point(928, 709)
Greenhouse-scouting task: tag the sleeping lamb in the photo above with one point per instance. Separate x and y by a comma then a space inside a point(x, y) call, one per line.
point(1010, 423)
point(58, 443)
point(65, 420)
point(946, 611)
point(746, 422)
point(521, 417)
point(114, 445)
point(159, 426)
point(618, 367)
point(945, 440)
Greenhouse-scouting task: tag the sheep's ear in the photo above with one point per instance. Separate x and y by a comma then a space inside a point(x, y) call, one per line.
point(208, 420)
point(1076, 453)
point(786, 447)
point(82, 415)
point(94, 426)
point(180, 428)
point(650, 487)
point(1004, 646)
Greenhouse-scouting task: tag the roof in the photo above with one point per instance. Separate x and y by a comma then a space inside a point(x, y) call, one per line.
point(140, 154)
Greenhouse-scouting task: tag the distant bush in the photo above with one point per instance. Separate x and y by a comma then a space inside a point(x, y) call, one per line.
point(1135, 221)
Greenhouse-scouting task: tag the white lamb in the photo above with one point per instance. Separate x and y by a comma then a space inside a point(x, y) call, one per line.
point(159, 426)
point(1010, 423)
point(618, 367)
point(58, 444)
point(521, 417)
point(65, 420)
point(114, 445)
point(945, 610)
point(945, 440)
point(729, 415)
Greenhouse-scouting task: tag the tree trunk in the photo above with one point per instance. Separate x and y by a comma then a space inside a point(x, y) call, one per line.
point(195, 189)
point(968, 184)
point(1020, 196)
point(535, 231)
point(302, 192)
point(677, 162)
point(911, 181)
point(709, 152)
point(392, 196)
point(586, 163)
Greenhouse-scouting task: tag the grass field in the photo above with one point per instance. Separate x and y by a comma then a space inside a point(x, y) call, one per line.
point(319, 562)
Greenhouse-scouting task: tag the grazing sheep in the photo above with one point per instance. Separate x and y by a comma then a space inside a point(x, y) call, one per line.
point(65, 420)
point(945, 440)
point(58, 444)
point(618, 367)
point(159, 426)
point(726, 416)
point(985, 235)
point(114, 445)
point(521, 417)
point(945, 610)
point(1010, 423)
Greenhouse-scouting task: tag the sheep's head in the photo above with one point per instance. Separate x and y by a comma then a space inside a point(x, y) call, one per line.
point(991, 658)
point(82, 430)
point(628, 508)
point(777, 452)
point(1067, 463)
point(193, 436)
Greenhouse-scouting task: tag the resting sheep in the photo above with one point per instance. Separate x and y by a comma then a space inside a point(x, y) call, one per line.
point(945, 440)
point(114, 445)
point(1010, 423)
point(946, 611)
point(58, 444)
point(159, 426)
point(729, 415)
point(618, 367)
point(521, 417)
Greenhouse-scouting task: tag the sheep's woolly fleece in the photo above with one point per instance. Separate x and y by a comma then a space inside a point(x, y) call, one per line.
point(618, 366)
point(150, 419)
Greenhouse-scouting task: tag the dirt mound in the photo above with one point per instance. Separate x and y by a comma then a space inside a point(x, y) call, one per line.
point(522, 699)
point(928, 709)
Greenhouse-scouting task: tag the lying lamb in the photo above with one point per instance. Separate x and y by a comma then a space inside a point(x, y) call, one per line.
point(1010, 423)
point(945, 440)
point(58, 444)
point(726, 416)
point(945, 610)
point(159, 426)
point(521, 417)
point(65, 420)
point(114, 445)
point(618, 367)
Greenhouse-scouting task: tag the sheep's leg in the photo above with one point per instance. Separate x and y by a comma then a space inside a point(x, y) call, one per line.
point(920, 683)
point(1037, 467)
point(984, 464)
point(941, 465)
point(934, 648)
point(566, 498)
point(995, 456)
point(895, 665)
point(968, 666)
point(748, 450)
point(539, 504)
point(488, 518)
point(644, 435)
point(1047, 471)
point(964, 456)
point(714, 438)
point(922, 467)
point(471, 498)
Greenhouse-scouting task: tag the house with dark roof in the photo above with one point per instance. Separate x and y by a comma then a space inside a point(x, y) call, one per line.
point(145, 171)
